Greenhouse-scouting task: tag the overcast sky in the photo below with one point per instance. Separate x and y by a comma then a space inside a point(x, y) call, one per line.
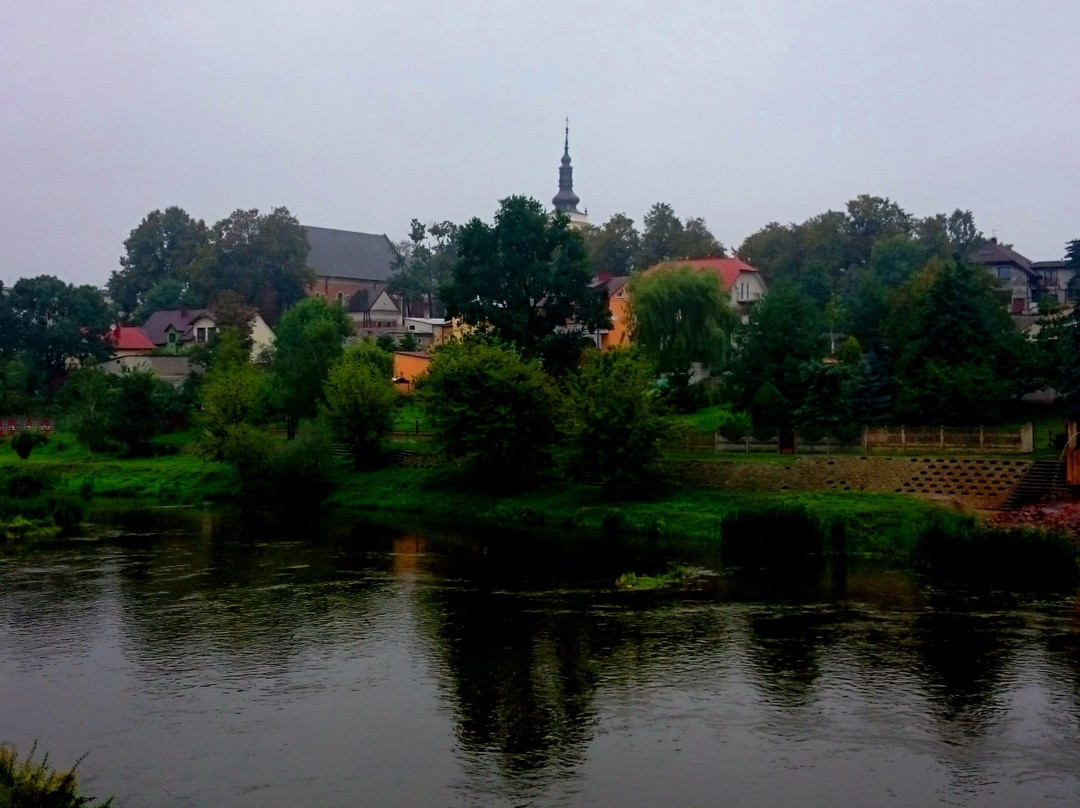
point(363, 115)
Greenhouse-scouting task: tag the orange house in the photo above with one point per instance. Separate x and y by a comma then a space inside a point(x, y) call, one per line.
point(740, 280)
point(617, 291)
point(408, 367)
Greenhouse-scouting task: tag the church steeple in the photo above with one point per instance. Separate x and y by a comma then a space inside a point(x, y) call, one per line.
point(566, 200)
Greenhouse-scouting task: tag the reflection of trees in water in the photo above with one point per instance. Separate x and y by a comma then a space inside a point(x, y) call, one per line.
point(522, 670)
point(784, 645)
point(240, 598)
point(962, 659)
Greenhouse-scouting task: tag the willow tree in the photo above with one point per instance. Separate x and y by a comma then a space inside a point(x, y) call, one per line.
point(679, 317)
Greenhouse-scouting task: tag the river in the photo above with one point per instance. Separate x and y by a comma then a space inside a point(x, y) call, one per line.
point(201, 660)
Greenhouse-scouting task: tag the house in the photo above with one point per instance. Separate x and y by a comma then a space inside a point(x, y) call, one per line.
point(346, 262)
point(129, 340)
point(740, 280)
point(429, 331)
point(408, 367)
point(1056, 278)
point(617, 292)
point(1017, 281)
point(173, 369)
point(173, 331)
point(374, 314)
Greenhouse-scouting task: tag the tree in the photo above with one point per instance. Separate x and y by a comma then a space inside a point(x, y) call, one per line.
point(666, 238)
point(307, 343)
point(614, 246)
point(360, 399)
point(871, 218)
point(160, 249)
point(698, 241)
point(1072, 253)
point(492, 408)
point(87, 396)
point(523, 278)
point(775, 250)
point(56, 323)
point(616, 422)
point(136, 409)
point(959, 357)
point(171, 293)
point(232, 392)
point(423, 262)
point(261, 257)
point(680, 316)
point(784, 332)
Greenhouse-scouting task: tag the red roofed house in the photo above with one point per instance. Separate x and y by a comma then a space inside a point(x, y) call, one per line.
point(129, 340)
point(742, 281)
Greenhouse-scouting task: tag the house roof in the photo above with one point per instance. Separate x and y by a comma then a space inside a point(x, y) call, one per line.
point(727, 269)
point(129, 338)
point(346, 254)
point(609, 284)
point(993, 252)
point(158, 324)
point(1050, 264)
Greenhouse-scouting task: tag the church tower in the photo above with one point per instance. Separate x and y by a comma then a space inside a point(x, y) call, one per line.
point(566, 200)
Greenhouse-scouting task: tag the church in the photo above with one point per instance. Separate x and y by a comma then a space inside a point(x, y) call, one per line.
point(566, 200)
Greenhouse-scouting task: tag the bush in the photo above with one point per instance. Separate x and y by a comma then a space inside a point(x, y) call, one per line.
point(771, 536)
point(30, 784)
point(279, 474)
point(23, 444)
point(26, 482)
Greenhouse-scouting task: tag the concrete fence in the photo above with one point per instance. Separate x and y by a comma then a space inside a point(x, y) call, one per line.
point(1020, 440)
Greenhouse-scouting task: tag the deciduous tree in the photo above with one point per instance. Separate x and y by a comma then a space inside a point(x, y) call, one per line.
point(359, 401)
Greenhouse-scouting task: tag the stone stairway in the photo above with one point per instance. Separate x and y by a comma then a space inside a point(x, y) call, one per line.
point(1045, 478)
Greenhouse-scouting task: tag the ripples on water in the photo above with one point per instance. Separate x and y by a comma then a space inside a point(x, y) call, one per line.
point(200, 662)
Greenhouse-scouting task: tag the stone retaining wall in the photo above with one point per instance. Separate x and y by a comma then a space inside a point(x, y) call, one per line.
point(973, 482)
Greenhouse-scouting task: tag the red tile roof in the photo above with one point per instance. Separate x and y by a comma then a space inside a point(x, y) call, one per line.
point(727, 269)
point(129, 338)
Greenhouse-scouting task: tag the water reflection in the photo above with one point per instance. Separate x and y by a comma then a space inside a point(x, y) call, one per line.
point(226, 661)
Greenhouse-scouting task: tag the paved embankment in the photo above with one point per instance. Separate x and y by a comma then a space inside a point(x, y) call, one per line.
point(971, 482)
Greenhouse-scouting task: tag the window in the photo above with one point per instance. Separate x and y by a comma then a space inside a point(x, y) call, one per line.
point(1004, 272)
point(172, 337)
point(200, 335)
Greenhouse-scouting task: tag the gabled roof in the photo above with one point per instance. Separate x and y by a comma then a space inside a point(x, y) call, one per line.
point(157, 324)
point(610, 285)
point(346, 254)
point(993, 252)
point(1062, 264)
point(727, 269)
point(129, 338)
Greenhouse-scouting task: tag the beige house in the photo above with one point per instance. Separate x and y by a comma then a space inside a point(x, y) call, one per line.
point(174, 331)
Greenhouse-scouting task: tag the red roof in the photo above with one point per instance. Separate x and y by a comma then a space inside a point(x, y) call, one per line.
point(727, 269)
point(129, 338)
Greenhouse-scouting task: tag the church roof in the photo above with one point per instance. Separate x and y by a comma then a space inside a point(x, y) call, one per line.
point(348, 254)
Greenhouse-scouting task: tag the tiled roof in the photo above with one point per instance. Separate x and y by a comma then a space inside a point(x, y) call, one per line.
point(993, 252)
point(727, 269)
point(346, 254)
point(129, 338)
point(157, 324)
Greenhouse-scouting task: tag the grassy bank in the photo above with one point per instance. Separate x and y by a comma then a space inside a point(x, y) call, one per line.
point(857, 522)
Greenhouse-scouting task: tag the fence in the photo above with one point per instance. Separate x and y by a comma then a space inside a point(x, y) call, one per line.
point(787, 442)
point(10, 424)
point(1020, 440)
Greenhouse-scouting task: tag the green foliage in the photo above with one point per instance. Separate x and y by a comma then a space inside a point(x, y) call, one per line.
point(680, 316)
point(1072, 253)
point(293, 475)
point(308, 341)
point(29, 784)
point(409, 342)
point(423, 264)
point(385, 342)
point(262, 258)
point(87, 398)
point(137, 408)
point(769, 408)
point(779, 535)
point(55, 323)
point(666, 238)
point(785, 332)
point(960, 359)
point(492, 408)
point(232, 392)
point(360, 401)
point(615, 421)
point(673, 578)
point(154, 267)
point(613, 247)
point(523, 277)
point(14, 384)
point(23, 444)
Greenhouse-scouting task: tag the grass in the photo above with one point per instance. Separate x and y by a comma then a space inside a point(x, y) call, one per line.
point(411, 416)
point(29, 783)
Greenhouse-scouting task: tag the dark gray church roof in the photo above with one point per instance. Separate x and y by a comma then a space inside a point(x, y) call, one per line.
point(345, 254)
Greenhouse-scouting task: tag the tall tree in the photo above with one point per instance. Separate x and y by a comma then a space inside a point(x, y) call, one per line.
point(614, 246)
point(308, 341)
point(698, 241)
point(523, 278)
point(262, 257)
point(871, 218)
point(56, 322)
point(680, 316)
point(959, 357)
point(1072, 253)
point(423, 262)
point(360, 399)
point(161, 248)
point(662, 238)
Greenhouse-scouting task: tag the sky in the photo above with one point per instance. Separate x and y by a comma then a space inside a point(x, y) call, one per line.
point(363, 115)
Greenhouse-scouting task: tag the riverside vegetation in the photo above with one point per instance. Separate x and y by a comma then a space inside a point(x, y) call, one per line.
point(26, 783)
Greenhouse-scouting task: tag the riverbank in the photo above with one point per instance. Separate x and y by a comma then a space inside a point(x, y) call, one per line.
point(693, 506)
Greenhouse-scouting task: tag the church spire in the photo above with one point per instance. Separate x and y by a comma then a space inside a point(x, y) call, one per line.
point(566, 200)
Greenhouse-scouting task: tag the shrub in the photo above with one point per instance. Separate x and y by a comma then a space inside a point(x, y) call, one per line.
point(27, 783)
point(771, 536)
point(23, 444)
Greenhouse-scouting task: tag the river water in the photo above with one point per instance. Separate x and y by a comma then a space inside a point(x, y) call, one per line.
point(200, 660)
